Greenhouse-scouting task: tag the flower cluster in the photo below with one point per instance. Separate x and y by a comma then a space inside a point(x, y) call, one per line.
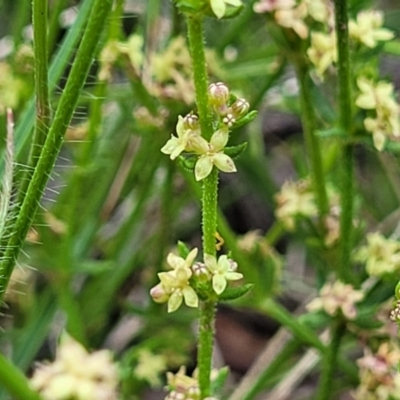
point(337, 298)
point(183, 387)
point(189, 139)
point(293, 200)
point(293, 15)
point(76, 374)
point(379, 98)
point(379, 378)
point(178, 284)
point(367, 28)
point(381, 255)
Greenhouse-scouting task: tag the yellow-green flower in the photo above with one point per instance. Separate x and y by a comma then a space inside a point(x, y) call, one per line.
point(174, 286)
point(222, 271)
point(219, 6)
point(186, 140)
point(381, 255)
point(379, 97)
point(335, 297)
point(322, 52)
point(214, 155)
point(367, 28)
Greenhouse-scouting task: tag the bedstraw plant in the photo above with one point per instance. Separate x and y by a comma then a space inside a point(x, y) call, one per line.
point(136, 134)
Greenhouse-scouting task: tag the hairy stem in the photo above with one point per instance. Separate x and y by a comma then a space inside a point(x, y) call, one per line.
point(209, 198)
point(347, 157)
point(52, 145)
point(40, 44)
point(311, 140)
point(329, 362)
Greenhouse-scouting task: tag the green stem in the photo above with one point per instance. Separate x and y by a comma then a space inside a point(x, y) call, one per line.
point(205, 349)
point(347, 158)
point(325, 386)
point(311, 140)
point(42, 120)
point(196, 45)
point(15, 382)
point(40, 42)
point(209, 197)
point(51, 148)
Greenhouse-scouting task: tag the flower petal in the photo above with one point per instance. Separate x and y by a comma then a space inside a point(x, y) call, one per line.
point(203, 167)
point(218, 7)
point(175, 261)
point(180, 128)
point(219, 139)
point(224, 162)
point(211, 262)
point(190, 296)
point(233, 276)
point(190, 257)
point(175, 301)
point(219, 283)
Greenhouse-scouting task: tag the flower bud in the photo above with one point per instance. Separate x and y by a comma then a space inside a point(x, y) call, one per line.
point(201, 271)
point(229, 120)
point(191, 121)
point(395, 313)
point(159, 294)
point(233, 265)
point(218, 93)
point(240, 107)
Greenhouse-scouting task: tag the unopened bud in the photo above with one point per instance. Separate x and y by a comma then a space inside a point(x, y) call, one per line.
point(232, 265)
point(159, 294)
point(219, 93)
point(240, 107)
point(229, 120)
point(201, 271)
point(395, 313)
point(191, 121)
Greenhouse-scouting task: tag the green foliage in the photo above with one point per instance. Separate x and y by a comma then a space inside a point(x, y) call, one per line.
point(90, 207)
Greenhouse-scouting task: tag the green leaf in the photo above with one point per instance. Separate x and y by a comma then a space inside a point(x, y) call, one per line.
point(218, 383)
point(250, 116)
point(235, 292)
point(183, 249)
point(235, 151)
point(188, 162)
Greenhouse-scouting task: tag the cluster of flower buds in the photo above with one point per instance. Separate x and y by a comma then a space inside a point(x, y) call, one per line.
point(189, 138)
point(219, 98)
point(179, 284)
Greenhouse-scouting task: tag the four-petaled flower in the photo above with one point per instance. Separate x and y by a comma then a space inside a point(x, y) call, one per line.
point(367, 28)
point(379, 97)
point(187, 139)
point(335, 297)
point(222, 271)
point(174, 285)
point(219, 6)
point(214, 155)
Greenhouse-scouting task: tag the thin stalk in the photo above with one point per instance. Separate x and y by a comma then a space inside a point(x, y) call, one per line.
point(329, 362)
point(209, 198)
point(345, 121)
point(196, 45)
point(39, 19)
point(54, 23)
point(13, 380)
point(312, 141)
point(51, 148)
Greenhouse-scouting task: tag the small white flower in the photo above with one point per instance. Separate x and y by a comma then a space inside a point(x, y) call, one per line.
point(222, 271)
point(215, 156)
